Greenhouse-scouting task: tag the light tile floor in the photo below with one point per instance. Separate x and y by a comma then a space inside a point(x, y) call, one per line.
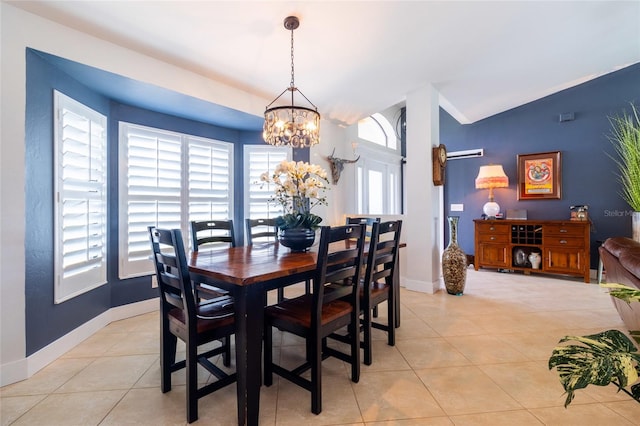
point(476, 359)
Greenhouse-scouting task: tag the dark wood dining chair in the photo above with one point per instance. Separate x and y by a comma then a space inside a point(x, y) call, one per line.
point(317, 315)
point(260, 230)
point(181, 317)
point(379, 283)
point(211, 235)
point(367, 221)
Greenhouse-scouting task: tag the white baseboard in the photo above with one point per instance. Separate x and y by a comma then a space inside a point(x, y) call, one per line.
point(22, 369)
point(421, 286)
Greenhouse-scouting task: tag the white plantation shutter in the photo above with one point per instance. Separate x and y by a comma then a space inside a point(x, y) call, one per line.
point(257, 160)
point(210, 173)
point(167, 179)
point(80, 219)
point(150, 190)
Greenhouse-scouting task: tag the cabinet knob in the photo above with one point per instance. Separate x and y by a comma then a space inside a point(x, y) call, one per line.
point(492, 228)
point(563, 241)
point(492, 238)
point(563, 230)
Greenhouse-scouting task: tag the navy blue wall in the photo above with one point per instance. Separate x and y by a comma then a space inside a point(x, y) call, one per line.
point(45, 321)
point(588, 174)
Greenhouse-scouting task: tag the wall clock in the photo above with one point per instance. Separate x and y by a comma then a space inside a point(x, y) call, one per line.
point(439, 160)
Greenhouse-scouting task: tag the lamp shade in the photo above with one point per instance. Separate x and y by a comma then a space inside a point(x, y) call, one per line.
point(492, 176)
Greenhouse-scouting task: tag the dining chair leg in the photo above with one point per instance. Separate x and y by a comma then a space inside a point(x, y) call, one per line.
point(391, 322)
point(316, 374)
point(192, 383)
point(366, 323)
point(268, 355)
point(396, 294)
point(355, 348)
point(168, 343)
point(226, 355)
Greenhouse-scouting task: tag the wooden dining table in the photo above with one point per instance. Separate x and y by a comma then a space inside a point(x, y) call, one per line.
point(248, 272)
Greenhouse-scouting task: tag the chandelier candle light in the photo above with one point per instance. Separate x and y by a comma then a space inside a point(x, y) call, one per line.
point(491, 176)
point(291, 125)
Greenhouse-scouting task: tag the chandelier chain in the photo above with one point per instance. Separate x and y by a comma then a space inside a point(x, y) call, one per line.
point(292, 69)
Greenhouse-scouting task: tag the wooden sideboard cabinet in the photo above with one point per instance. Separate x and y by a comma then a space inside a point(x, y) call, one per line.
point(563, 246)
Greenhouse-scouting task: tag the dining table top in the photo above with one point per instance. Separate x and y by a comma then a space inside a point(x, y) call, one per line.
point(247, 265)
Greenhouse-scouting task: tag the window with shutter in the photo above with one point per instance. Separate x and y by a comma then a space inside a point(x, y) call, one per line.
point(80, 180)
point(167, 179)
point(257, 160)
point(210, 173)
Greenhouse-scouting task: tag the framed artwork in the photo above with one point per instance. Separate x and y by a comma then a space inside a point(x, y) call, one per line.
point(539, 176)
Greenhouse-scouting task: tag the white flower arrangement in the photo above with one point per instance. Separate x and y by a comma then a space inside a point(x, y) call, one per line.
point(299, 186)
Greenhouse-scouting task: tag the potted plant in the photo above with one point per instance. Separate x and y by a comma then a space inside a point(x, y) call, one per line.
point(625, 137)
point(299, 186)
point(609, 357)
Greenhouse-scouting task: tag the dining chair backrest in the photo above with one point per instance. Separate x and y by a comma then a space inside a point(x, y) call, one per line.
point(367, 221)
point(172, 271)
point(340, 260)
point(212, 234)
point(260, 230)
point(382, 257)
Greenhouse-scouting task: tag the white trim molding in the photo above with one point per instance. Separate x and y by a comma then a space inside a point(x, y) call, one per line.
point(24, 368)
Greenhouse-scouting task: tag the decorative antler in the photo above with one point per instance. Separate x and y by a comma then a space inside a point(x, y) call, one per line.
point(337, 165)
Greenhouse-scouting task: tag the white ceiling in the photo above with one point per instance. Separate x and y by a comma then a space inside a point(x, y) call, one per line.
point(354, 58)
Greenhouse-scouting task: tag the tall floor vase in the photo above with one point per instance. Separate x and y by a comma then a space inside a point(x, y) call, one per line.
point(454, 261)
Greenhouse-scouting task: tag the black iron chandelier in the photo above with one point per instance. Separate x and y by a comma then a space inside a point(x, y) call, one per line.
point(291, 125)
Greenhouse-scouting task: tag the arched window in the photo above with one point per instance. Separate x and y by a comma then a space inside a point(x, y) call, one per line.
point(377, 129)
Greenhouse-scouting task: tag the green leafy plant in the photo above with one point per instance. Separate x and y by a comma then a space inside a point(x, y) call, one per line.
point(298, 188)
point(601, 359)
point(625, 137)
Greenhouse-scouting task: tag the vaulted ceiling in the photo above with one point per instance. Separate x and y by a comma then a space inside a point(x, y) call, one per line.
point(354, 58)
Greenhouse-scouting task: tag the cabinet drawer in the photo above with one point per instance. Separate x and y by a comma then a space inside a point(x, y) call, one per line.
point(568, 230)
point(493, 228)
point(493, 238)
point(563, 241)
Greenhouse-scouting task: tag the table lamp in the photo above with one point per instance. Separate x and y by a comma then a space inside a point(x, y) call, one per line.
point(491, 176)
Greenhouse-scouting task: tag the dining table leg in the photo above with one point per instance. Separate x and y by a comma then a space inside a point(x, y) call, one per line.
point(249, 324)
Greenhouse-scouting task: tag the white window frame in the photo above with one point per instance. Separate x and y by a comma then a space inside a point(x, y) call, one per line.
point(387, 162)
point(378, 130)
point(171, 186)
point(80, 159)
point(256, 191)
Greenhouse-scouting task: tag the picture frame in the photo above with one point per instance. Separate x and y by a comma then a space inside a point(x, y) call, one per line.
point(540, 176)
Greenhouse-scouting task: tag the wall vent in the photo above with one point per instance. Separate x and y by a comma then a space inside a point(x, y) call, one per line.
point(470, 153)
